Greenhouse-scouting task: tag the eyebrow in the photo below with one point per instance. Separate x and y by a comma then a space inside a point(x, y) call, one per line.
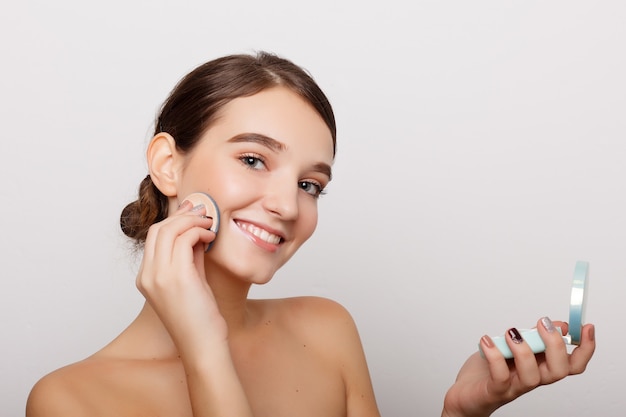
point(266, 141)
point(276, 146)
point(324, 169)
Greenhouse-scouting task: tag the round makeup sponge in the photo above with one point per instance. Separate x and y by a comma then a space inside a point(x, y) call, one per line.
point(211, 210)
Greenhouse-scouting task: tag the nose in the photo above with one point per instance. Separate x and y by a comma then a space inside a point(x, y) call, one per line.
point(281, 198)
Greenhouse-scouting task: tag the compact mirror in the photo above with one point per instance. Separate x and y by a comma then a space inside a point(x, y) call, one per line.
point(578, 300)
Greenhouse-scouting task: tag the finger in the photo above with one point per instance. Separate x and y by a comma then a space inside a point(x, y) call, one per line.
point(498, 367)
point(581, 356)
point(561, 325)
point(524, 359)
point(153, 231)
point(161, 239)
point(555, 365)
point(169, 229)
point(184, 206)
point(174, 236)
point(186, 245)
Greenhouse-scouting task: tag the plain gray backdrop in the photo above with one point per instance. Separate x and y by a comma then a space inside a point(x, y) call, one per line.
point(481, 153)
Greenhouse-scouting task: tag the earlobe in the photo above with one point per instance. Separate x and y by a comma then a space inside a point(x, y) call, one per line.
point(162, 157)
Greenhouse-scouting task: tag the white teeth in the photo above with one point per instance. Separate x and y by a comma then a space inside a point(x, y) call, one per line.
point(260, 233)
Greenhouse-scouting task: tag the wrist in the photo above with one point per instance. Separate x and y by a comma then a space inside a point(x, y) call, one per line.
point(205, 356)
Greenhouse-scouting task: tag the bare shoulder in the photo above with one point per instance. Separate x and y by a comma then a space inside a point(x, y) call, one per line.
point(319, 320)
point(313, 309)
point(328, 328)
point(105, 384)
point(313, 304)
point(58, 393)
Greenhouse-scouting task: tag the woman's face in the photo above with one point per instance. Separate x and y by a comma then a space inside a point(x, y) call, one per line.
point(264, 161)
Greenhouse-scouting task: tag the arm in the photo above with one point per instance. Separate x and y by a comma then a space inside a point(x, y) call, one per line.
point(485, 384)
point(338, 326)
point(214, 387)
point(361, 401)
point(173, 281)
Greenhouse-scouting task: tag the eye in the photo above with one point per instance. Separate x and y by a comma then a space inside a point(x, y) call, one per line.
point(252, 161)
point(311, 187)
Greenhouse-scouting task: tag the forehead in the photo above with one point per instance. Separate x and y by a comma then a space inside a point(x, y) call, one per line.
point(281, 114)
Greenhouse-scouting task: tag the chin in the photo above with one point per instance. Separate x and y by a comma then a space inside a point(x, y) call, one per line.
point(255, 269)
point(260, 280)
point(248, 272)
point(258, 276)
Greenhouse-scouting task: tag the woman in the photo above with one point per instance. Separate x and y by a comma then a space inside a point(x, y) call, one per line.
point(258, 135)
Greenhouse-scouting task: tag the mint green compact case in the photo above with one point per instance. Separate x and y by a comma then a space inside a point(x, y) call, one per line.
point(576, 317)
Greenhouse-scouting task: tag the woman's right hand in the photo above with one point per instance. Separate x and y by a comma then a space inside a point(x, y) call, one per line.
point(172, 279)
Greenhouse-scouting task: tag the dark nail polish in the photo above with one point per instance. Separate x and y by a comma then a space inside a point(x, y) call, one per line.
point(515, 335)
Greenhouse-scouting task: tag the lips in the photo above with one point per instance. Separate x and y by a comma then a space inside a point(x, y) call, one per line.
point(260, 233)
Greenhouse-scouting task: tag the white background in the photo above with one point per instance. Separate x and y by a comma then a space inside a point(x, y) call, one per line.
point(481, 153)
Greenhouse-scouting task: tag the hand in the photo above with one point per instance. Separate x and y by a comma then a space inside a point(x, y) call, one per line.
point(172, 279)
point(485, 384)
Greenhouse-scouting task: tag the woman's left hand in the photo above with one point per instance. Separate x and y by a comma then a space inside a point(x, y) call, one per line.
point(485, 384)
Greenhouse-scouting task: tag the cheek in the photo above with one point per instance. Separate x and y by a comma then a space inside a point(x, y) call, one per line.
point(308, 217)
point(225, 187)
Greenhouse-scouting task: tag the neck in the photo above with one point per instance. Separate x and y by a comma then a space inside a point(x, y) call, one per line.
point(230, 294)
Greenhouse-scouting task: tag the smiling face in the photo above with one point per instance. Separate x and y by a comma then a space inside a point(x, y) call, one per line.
point(264, 161)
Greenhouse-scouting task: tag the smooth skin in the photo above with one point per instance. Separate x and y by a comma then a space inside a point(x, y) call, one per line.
point(199, 347)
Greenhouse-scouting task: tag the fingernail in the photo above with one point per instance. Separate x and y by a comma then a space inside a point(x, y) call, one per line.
point(487, 341)
point(547, 324)
point(592, 333)
point(198, 207)
point(208, 228)
point(515, 335)
point(184, 203)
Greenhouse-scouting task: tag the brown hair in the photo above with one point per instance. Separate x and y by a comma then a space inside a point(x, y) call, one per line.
point(193, 105)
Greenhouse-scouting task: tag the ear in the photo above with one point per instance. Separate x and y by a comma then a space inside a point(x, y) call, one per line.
point(163, 163)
